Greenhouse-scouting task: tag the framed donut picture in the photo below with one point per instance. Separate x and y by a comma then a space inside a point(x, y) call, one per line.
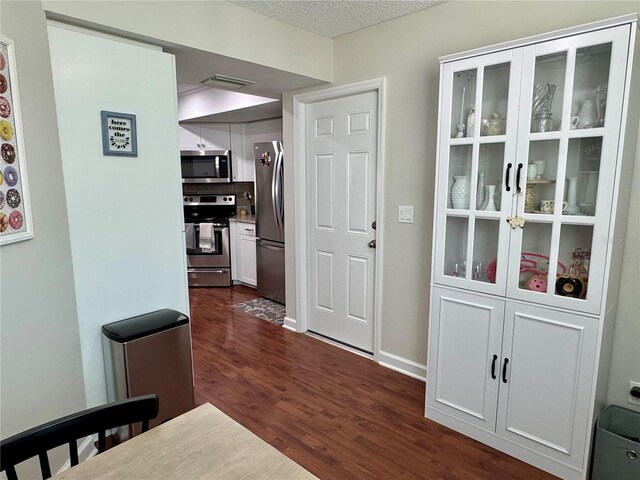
point(15, 208)
point(119, 134)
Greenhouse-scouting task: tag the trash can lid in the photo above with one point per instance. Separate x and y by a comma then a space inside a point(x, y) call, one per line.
point(143, 325)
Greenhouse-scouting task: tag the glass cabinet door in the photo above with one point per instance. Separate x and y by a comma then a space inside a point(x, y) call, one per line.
point(478, 134)
point(570, 110)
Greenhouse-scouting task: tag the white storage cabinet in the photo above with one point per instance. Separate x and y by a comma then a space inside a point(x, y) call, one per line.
point(205, 136)
point(529, 195)
point(243, 165)
point(243, 255)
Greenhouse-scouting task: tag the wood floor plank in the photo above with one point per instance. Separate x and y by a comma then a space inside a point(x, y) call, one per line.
point(338, 414)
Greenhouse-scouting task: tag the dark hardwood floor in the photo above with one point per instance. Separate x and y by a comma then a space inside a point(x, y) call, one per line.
point(337, 414)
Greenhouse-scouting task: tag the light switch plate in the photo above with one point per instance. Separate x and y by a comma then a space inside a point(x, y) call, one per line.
point(405, 214)
point(630, 399)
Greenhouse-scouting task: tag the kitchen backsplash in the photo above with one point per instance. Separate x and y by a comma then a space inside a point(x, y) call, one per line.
point(237, 188)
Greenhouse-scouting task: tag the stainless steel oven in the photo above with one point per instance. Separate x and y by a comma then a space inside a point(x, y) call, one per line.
point(206, 166)
point(208, 267)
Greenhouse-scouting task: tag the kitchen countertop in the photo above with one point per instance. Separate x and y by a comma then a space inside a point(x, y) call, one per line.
point(243, 219)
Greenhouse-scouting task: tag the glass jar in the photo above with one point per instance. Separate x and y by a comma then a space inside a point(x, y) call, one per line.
point(542, 122)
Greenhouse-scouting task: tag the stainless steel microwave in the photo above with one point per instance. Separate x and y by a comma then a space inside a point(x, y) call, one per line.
point(206, 166)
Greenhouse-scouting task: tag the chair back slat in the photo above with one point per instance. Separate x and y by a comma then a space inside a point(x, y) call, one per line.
point(102, 441)
point(73, 452)
point(44, 465)
point(11, 473)
point(145, 425)
point(40, 439)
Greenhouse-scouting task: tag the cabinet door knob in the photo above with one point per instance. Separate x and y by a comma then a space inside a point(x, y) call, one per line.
point(372, 244)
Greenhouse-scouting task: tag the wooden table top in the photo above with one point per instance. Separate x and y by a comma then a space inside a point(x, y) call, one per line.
point(203, 443)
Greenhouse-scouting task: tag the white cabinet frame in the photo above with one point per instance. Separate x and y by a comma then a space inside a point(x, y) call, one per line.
point(557, 346)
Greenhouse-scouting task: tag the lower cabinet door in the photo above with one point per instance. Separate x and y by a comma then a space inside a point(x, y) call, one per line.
point(464, 356)
point(546, 390)
point(247, 259)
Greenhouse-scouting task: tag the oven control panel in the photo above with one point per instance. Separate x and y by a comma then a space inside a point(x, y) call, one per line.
point(222, 200)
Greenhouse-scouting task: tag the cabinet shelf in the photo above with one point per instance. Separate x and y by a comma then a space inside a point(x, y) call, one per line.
point(557, 135)
point(493, 139)
point(489, 215)
point(461, 141)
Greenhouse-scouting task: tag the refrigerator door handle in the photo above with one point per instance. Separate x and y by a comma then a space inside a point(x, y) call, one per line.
point(274, 198)
point(279, 181)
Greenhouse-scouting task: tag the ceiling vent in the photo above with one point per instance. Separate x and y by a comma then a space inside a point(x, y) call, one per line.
point(224, 81)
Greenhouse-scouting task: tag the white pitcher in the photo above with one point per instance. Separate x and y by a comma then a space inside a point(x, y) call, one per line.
point(587, 116)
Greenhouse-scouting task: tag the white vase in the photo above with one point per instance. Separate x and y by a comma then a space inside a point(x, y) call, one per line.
point(460, 192)
point(480, 191)
point(471, 122)
point(572, 197)
point(489, 202)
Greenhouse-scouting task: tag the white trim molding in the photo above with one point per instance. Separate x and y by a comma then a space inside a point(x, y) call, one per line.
point(290, 324)
point(403, 365)
point(300, 102)
point(543, 37)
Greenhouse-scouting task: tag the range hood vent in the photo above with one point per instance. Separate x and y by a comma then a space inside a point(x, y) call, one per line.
point(224, 81)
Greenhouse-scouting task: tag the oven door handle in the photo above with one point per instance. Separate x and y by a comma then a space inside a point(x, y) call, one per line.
point(217, 226)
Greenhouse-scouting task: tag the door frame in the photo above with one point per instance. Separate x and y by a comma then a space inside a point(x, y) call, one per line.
point(300, 206)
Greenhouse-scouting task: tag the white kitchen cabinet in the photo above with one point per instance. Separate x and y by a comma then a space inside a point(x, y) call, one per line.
point(216, 136)
point(516, 279)
point(232, 250)
point(243, 164)
point(190, 138)
point(204, 136)
point(243, 255)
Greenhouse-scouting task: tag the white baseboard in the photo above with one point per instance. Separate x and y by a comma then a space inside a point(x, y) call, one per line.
point(290, 324)
point(86, 450)
point(402, 365)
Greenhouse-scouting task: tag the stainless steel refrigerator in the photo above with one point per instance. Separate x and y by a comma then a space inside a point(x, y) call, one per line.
point(270, 219)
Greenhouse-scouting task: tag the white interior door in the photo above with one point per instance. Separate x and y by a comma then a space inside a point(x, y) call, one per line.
point(341, 143)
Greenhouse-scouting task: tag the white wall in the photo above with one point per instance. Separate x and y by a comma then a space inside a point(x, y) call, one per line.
point(405, 51)
point(40, 363)
point(213, 26)
point(262, 131)
point(125, 214)
point(625, 358)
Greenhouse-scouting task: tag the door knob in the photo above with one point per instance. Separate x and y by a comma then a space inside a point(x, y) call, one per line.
point(374, 224)
point(372, 244)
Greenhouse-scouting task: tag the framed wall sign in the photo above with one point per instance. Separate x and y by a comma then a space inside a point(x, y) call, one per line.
point(119, 134)
point(15, 208)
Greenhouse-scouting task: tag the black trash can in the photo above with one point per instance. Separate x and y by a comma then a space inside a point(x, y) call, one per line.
point(617, 447)
point(150, 353)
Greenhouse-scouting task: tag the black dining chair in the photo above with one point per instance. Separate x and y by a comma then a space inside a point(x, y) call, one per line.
point(38, 440)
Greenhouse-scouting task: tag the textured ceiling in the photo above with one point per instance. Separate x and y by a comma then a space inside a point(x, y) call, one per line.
point(332, 18)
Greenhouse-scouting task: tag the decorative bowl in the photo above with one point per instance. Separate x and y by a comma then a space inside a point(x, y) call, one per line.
point(588, 208)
